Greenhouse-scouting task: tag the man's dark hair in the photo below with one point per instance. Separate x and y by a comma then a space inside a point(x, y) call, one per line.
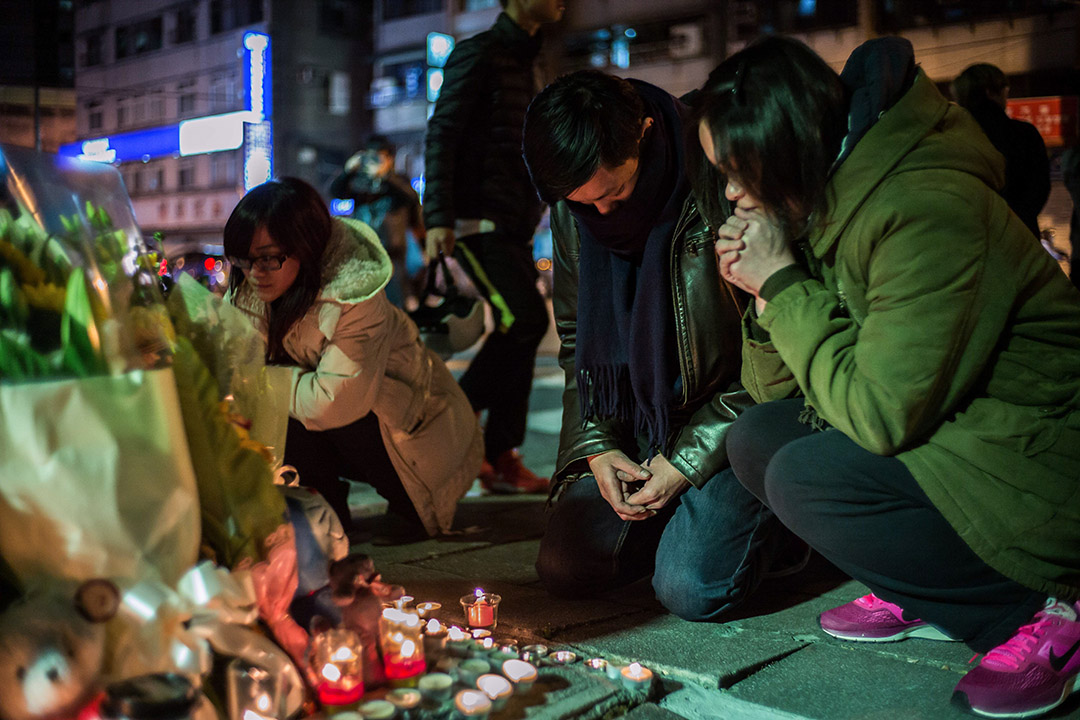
point(577, 124)
point(979, 83)
point(380, 143)
point(778, 114)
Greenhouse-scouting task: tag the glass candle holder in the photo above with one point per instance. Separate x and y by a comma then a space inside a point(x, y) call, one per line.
point(481, 609)
point(458, 642)
point(336, 667)
point(435, 634)
point(523, 674)
point(469, 670)
point(404, 699)
point(436, 688)
point(401, 643)
point(252, 692)
point(534, 653)
point(378, 710)
point(428, 610)
point(636, 676)
point(472, 704)
point(497, 688)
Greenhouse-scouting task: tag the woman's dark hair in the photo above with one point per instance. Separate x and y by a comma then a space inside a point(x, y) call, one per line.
point(978, 84)
point(577, 124)
point(297, 220)
point(778, 115)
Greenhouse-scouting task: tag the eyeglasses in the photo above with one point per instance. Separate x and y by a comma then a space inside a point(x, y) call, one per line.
point(265, 263)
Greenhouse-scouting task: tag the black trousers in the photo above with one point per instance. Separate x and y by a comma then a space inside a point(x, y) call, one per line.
point(499, 378)
point(355, 451)
point(867, 515)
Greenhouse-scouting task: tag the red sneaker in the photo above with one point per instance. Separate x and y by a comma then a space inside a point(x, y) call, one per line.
point(487, 475)
point(512, 477)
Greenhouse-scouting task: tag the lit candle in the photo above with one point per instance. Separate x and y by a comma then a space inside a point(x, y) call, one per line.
point(435, 634)
point(252, 692)
point(336, 662)
point(600, 665)
point(471, 669)
point(404, 699)
point(534, 653)
point(458, 642)
point(401, 643)
point(480, 633)
point(428, 609)
point(563, 657)
point(378, 710)
point(522, 674)
point(472, 704)
point(497, 688)
point(436, 687)
point(481, 609)
point(636, 676)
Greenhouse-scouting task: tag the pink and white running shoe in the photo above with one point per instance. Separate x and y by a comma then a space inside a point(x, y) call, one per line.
point(871, 619)
point(1029, 674)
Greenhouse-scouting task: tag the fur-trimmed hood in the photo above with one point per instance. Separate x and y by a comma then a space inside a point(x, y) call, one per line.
point(355, 265)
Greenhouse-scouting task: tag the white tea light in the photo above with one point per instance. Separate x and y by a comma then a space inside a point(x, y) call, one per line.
point(636, 676)
point(523, 674)
point(472, 704)
point(497, 688)
point(377, 710)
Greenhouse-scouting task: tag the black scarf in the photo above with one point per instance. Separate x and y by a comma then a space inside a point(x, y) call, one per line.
point(626, 349)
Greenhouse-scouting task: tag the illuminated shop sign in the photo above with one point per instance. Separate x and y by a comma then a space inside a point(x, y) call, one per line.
point(214, 133)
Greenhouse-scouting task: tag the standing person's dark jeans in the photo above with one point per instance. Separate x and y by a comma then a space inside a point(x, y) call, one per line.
point(499, 378)
point(869, 517)
point(355, 451)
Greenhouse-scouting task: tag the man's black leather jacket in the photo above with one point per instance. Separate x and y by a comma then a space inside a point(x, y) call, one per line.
point(708, 314)
point(473, 164)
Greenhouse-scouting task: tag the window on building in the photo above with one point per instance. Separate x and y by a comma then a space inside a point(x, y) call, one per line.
point(393, 9)
point(185, 178)
point(338, 94)
point(155, 181)
point(138, 38)
point(123, 111)
point(136, 181)
point(223, 169)
point(470, 5)
point(185, 24)
point(94, 120)
point(228, 14)
point(185, 93)
point(750, 18)
point(903, 14)
point(138, 109)
point(93, 49)
point(222, 93)
point(342, 17)
point(155, 105)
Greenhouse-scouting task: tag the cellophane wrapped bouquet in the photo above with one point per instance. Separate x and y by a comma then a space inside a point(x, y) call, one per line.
point(138, 435)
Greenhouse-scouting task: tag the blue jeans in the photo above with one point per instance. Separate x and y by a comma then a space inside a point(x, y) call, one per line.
point(705, 550)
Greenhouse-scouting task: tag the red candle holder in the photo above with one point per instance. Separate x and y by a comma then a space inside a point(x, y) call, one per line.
point(402, 643)
point(336, 667)
point(481, 609)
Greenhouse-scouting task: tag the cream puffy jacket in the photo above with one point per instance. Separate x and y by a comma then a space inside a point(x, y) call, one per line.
point(356, 353)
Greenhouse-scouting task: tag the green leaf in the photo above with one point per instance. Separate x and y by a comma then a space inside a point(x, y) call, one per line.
point(80, 351)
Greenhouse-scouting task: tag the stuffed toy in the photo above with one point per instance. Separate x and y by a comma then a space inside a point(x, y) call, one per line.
point(52, 649)
point(360, 594)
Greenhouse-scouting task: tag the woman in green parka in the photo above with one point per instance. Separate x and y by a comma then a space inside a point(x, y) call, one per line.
point(935, 453)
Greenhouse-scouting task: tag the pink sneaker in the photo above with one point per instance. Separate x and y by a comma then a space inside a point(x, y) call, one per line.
point(871, 619)
point(1031, 673)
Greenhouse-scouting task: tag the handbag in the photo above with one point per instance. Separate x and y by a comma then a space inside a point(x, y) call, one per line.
point(449, 321)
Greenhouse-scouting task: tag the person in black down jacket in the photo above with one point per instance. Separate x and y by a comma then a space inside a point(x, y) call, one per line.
point(480, 206)
point(982, 90)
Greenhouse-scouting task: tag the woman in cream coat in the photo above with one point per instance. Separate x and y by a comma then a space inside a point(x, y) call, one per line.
point(368, 401)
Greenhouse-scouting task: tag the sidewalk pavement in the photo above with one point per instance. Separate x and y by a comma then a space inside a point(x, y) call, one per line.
point(769, 661)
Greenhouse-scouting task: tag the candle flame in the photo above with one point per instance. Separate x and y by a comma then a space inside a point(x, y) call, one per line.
point(456, 633)
point(342, 654)
point(433, 626)
point(331, 672)
point(479, 593)
point(262, 703)
point(635, 668)
point(408, 649)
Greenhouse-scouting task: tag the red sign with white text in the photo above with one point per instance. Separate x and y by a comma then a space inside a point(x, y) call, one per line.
point(1054, 117)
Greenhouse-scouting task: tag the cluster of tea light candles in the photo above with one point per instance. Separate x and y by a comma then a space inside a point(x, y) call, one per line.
point(412, 640)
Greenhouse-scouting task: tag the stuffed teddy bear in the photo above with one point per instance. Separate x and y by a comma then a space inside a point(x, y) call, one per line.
point(360, 594)
point(52, 649)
